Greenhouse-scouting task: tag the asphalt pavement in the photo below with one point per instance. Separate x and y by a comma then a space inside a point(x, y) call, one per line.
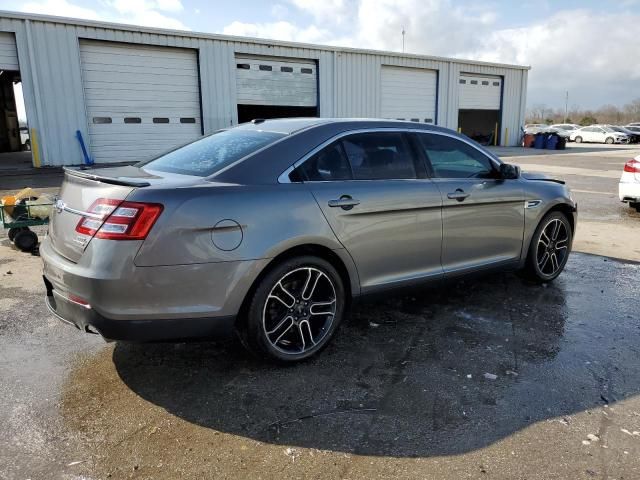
point(490, 377)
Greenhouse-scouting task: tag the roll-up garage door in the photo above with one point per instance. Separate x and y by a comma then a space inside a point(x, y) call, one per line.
point(480, 93)
point(409, 94)
point(8, 52)
point(140, 100)
point(276, 82)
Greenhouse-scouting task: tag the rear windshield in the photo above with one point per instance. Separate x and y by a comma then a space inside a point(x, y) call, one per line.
point(211, 154)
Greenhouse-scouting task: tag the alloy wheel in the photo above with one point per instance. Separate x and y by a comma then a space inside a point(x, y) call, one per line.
point(553, 247)
point(299, 310)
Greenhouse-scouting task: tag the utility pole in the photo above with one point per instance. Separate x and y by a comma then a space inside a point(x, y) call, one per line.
point(403, 32)
point(566, 106)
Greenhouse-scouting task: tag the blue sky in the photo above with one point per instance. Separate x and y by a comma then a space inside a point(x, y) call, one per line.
point(588, 48)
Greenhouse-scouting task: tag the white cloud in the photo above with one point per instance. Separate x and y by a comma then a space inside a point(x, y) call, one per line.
point(61, 8)
point(136, 12)
point(594, 55)
point(278, 31)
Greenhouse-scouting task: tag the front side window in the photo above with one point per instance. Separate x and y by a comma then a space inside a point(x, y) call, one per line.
point(211, 154)
point(453, 158)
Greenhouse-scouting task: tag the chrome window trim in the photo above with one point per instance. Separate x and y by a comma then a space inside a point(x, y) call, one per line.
point(284, 176)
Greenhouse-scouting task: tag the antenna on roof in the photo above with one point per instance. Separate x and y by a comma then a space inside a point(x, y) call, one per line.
point(403, 32)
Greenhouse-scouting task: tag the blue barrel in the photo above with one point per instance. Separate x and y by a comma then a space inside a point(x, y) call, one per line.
point(551, 142)
point(539, 141)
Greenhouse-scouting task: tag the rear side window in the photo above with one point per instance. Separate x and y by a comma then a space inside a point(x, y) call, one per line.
point(364, 156)
point(210, 154)
point(329, 164)
point(453, 158)
point(379, 156)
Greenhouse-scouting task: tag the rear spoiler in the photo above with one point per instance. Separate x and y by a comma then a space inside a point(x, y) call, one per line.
point(104, 178)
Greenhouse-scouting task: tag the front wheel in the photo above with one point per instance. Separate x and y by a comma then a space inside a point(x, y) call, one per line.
point(578, 140)
point(294, 311)
point(635, 205)
point(549, 248)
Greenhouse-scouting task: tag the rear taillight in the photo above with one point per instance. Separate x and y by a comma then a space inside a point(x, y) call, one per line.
point(632, 166)
point(118, 220)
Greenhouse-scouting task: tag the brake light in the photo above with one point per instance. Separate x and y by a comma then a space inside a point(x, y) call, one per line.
point(632, 166)
point(118, 220)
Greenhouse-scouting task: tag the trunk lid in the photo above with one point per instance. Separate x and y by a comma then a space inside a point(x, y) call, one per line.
point(81, 188)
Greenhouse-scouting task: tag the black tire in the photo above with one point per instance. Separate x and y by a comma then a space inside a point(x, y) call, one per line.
point(578, 140)
point(635, 205)
point(537, 250)
point(25, 240)
point(262, 308)
point(609, 140)
point(13, 232)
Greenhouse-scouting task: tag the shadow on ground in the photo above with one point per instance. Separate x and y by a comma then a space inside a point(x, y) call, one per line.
point(406, 377)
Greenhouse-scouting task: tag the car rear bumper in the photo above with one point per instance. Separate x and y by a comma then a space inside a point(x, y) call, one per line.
point(106, 293)
point(629, 191)
point(88, 320)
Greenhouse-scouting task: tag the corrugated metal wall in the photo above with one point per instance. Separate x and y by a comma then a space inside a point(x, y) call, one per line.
point(348, 81)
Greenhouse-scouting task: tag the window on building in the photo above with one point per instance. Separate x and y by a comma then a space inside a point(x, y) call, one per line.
point(286, 69)
point(243, 66)
point(266, 68)
point(160, 120)
point(132, 120)
point(102, 120)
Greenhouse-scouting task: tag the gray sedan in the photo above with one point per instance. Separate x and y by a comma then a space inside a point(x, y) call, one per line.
point(272, 228)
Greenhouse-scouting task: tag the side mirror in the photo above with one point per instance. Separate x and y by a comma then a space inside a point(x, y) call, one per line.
point(509, 172)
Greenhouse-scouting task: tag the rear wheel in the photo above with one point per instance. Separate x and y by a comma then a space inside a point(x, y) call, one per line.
point(578, 140)
point(25, 240)
point(635, 205)
point(294, 311)
point(609, 140)
point(549, 248)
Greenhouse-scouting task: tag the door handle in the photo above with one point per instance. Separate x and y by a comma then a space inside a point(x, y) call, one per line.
point(459, 195)
point(345, 202)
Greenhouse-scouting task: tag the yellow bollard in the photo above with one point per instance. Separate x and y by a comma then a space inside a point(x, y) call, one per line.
point(35, 150)
point(459, 129)
point(495, 135)
point(506, 137)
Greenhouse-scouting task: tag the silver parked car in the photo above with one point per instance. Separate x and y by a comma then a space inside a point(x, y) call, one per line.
point(272, 228)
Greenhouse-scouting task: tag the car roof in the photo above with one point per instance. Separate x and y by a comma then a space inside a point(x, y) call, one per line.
point(290, 126)
point(302, 135)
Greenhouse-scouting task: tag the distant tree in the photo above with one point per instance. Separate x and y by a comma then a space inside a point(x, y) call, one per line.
point(632, 111)
point(568, 120)
point(588, 120)
point(549, 121)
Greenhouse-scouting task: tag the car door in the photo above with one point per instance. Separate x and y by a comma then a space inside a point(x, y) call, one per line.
point(482, 214)
point(375, 195)
point(599, 135)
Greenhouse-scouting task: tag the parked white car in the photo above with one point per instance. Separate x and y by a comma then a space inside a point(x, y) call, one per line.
point(598, 134)
point(568, 127)
point(629, 187)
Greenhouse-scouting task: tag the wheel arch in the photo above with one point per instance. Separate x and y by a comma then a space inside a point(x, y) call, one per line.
point(340, 260)
point(567, 209)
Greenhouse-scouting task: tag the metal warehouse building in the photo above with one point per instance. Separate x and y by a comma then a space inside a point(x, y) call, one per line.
point(133, 92)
